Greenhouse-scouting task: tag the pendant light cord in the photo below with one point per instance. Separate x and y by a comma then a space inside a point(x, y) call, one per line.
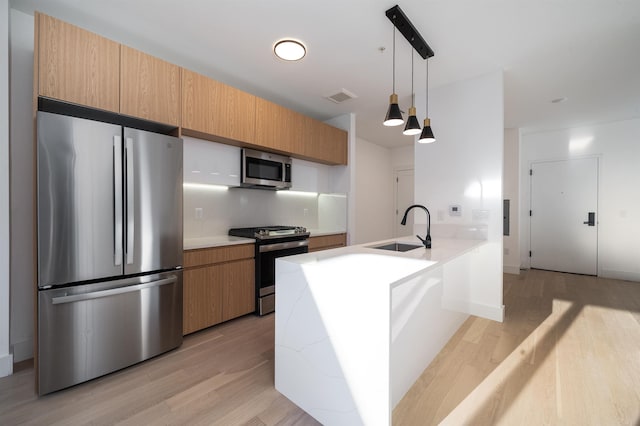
point(394, 56)
point(413, 94)
point(427, 92)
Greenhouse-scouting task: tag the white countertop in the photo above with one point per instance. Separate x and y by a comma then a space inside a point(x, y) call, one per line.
point(323, 232)
point(226, 240)
point(387, 266)
point(215, 241)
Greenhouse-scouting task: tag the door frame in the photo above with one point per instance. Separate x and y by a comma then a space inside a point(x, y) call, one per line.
point(397, 170)
point(598, 158)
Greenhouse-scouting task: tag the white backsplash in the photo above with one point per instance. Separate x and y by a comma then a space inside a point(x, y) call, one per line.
point(222, 209)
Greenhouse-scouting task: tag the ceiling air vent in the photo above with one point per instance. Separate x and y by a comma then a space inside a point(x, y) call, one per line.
point(341, 96)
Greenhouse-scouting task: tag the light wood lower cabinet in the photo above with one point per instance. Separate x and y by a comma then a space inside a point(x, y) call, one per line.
point(326, 242)
point(218, 285)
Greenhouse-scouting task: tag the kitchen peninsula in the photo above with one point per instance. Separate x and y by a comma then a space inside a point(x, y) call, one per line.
point(356, 326)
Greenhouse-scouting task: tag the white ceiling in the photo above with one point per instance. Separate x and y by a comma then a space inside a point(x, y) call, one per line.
point(585, 50)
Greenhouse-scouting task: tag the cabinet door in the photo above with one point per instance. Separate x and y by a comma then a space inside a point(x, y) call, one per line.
point(211, 163)
point(77, 66)
point(215, 109)
point(202, 299)
point(149, 87)
point(278, 128)
point(238, 288)
point(326, 242)
point(324, 143)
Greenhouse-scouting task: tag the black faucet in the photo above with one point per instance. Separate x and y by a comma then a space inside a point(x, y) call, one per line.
point(427, 240)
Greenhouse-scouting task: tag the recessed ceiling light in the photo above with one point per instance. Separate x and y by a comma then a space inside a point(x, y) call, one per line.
point(289, 50)
point(559, 100)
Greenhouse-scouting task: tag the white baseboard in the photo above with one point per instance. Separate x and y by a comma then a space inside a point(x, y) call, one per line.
point(6, 365)
point(495, 313)
point(22, 350)
point(620, 275)
point(509, 269)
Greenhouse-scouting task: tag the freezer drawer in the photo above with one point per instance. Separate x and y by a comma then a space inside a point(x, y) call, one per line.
point(87, 331)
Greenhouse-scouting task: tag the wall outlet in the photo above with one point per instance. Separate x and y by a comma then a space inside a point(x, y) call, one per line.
point(199, 212)
point(506, 251)
point(305, 212)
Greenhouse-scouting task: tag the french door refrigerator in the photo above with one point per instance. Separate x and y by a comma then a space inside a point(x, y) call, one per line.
point(109, 218)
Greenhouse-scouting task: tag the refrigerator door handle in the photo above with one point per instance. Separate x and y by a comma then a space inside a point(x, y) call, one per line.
point(117, 200)
point(130, 200)
point(111, 292)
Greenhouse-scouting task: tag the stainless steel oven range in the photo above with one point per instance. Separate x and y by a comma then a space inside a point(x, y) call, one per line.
point(272, 242)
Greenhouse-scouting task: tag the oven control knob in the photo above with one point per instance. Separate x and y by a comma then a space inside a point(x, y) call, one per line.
point(301, 230)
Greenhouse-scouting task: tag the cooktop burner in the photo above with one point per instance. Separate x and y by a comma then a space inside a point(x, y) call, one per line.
point(265, 232)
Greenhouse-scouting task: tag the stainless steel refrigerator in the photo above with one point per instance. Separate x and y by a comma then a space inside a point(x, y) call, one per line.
point(109, 217)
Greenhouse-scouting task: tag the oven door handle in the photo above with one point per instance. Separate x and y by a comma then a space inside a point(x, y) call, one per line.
point(283, 246)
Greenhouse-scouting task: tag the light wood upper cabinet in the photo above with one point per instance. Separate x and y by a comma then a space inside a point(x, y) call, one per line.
point(78, 66)
point(278, 128)
point(149, 87)
point(213, 108)
point(324, 143)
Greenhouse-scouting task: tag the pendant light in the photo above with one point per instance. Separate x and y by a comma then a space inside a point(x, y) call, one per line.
point(412, 127)
point(394, 115)
point(427, 134)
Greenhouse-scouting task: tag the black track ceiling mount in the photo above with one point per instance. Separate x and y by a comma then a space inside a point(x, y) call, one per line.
point(406, 28)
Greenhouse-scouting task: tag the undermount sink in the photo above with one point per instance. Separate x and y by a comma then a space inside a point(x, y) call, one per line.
point(397, 247)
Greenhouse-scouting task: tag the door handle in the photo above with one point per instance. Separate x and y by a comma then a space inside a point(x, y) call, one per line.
point(130, 200)
point(117, 200)
point(113, 291)
point(592, 219)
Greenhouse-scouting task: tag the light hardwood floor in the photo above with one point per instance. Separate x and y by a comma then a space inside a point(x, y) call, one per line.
point(568, 353)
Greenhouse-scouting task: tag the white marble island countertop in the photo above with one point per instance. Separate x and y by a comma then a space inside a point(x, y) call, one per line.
point(356, 326)
point(419, 259)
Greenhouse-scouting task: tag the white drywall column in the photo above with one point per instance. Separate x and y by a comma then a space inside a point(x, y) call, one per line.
point(343, 177)
point(6, 359)
point(510, 189)
point(464, 167)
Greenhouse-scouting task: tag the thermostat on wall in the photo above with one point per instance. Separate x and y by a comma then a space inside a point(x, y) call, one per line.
point(455, 210)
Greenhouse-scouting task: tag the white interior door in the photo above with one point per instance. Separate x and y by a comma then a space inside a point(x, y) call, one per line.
point(564, 212)
point(404, 198)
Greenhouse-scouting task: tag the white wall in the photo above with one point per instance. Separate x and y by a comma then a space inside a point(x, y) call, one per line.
point(617, 145)
point(6, 359)
point(343, 177)
point(402, 158)
point(374, 193)
point(22, 276)
point(464, 167)
point(511, 189)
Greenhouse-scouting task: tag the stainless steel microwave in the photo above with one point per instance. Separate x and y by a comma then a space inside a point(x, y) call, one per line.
point(265, 170)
